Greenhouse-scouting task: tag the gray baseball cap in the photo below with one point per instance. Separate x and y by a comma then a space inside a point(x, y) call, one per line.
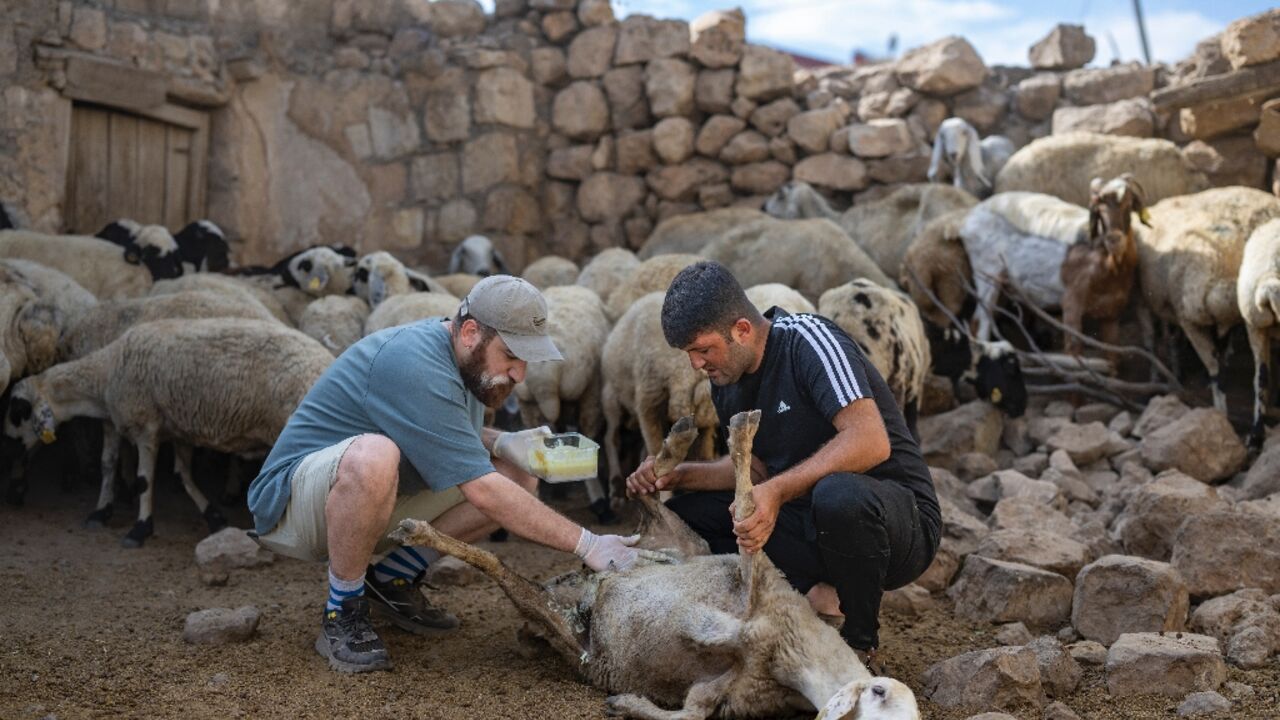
point(517, 311)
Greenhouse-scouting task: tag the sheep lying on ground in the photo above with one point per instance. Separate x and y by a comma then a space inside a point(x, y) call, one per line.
point(711, 635)
point(971, 164)
point(379, 275)
point(152, 245)
point(768, 295)
point(887, 326)
point(236, 380)
point(476, 255)
point(405, 309)
point(577, 324)
point(811, 256)
point(1188, 265)
point(1064, 165)
point(605, 272)
point(337, 321)
point(217, 283)
point(685, 234)
point(456, 284)
point(1057, 254)
point(98, 266)
point(1258, 295)
point(652, 382)
point(550, 271)
point(652, 275)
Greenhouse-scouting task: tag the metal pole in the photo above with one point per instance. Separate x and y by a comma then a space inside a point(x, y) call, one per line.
point(1142, 30)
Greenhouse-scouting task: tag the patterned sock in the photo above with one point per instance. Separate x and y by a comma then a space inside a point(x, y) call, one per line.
point(404, 562)
point(340, 590)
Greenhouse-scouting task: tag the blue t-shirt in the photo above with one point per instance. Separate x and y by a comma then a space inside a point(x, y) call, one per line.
point(402, 382)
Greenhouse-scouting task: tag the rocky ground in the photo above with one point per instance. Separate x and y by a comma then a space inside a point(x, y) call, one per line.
point(94, 630)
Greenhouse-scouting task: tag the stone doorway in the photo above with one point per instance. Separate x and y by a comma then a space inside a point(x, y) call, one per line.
point(148, 166)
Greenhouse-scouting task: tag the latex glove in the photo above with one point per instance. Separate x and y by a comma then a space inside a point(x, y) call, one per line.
point(607, 552)
point(514, 446)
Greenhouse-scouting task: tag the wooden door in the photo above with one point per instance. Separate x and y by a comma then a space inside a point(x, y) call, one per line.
point(126, 165)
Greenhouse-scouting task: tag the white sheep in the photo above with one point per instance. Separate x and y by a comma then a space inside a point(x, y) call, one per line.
point(379, 275)
point(1189, 262)
point(456, 284)
point(1258, 295)
point(686, 234)
point(577, 323)
point(411, 307)
point(97, 265)
point(550, 271)
point(476, 255)
point(51, 285)
point(337, 321)
point(887, 326)
point(215, 282)
point(769, 295)
point(971, 163)
point(652, 382)
point(299, 278)
point(29, 329)
point(1064, 165)
point(607, 270)
point(235, 381)
point(652, 275)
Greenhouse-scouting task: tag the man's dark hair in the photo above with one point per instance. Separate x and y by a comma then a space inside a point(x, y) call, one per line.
point(487, 333)
point(704, 297)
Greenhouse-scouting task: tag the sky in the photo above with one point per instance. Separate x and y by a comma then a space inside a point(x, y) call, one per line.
point(1001, 30)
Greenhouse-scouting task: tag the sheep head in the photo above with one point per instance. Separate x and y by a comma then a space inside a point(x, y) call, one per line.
point(477, 255)
point(379, 275)
point(1110, 205)
point(30, 417)
point(315, 269)
point(203, 245)
point(879, 698)
point(783, 202)
point(39, 324)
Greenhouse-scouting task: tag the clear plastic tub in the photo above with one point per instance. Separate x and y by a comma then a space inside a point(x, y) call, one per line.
point(564, 458)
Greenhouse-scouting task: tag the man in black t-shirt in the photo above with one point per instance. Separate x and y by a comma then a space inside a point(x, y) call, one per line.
point(845, 505)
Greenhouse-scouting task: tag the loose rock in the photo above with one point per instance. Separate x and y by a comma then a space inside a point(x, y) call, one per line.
point(1169, 665)
point(218, 626)
point(996, 591)
point(232, 547)
point(1201, 444)
point(1006, 678)
point(1120, 594)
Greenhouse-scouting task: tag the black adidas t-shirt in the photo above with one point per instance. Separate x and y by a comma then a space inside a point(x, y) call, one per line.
point(810, 372)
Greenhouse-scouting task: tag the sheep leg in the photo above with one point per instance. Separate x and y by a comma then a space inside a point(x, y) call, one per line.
point(1072, 317)
point(145, 525)
point(660, 528)
point(1260, 343)
point(531, 599)
point(612, 423)
point(107, 494)
point(231, 489)
point(742, 433)
point(988, 293)
point(700, 702)
point(1202, 341)
point(182, 465)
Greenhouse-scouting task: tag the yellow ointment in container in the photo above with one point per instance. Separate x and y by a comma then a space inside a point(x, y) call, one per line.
point(564, 458)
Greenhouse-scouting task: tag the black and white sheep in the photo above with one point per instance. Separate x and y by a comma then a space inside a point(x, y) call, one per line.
point(379, 275)
point(202, 247)
point(152, 245)
point(99, 266)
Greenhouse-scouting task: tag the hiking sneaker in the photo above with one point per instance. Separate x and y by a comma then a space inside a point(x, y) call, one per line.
point(348, 641)
point(402, 603)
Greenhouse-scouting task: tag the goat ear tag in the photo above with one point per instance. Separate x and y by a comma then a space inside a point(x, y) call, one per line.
point(1145, 216)
point(47, 437)
point(314, 284)
point(996, 395)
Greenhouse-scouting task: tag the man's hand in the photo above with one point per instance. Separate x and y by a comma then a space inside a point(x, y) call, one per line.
point(643, 481)
point(514, 446)
point(754, 530)
point(606, 552)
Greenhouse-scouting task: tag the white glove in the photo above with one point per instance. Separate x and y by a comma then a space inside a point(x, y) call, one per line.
point(514, 446)
point(606, 552)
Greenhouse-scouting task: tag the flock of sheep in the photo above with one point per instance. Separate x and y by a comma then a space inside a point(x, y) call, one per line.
point(155, 335)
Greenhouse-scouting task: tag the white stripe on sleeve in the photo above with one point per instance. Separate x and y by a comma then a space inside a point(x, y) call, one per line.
point(838, 383)
point(840, 358)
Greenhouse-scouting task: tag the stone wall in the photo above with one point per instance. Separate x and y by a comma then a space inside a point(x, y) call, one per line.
point(550, 126)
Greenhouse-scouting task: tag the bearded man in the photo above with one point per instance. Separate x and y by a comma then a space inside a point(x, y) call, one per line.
point(393, 430)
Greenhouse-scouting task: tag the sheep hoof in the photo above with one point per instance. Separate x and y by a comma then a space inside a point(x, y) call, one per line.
point(603, 512)
point(214, 518)
point(98, 518)
point(138, 534)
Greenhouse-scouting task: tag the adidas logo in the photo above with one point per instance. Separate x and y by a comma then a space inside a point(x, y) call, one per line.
point(783, 407)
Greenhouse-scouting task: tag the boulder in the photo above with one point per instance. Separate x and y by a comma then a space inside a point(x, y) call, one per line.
point(1221, 551)
point(996, 591)
point(457, 18)
point(1219, 117)
point(1037, 548)
point(982, 107)
point(1201, 444)
point(1088, 652)
point(580, 111)
point(1085, 444)
point(1246, 622)
point(1203, 703)
point(571, 163)
point(1059, 711)
point(559, 26)
point(1267, 134)
point(759, 178)
point(966, 530)
point(1120, 594)
point(233, 548)
point(1096, 86)
point(642, 38)
point(606, 196)
point(504, 96)
point(1031, 465)
point(1251, 40)
point(1228, 160)
point(1133, 117)
point(1036, 97)
point(628, 105)
point(673, 140)
point(973, 427)
point(945, 563)
point(764, 73)
point(1263, 478)
point(1160, 411)
point(1006, 678)
point(1028, 513)
point(1013, 635)
point(1155, 510)
point(1169, 665)
point(680, 183)
point(1066, 47)
point(668, 83)
point(974, 465)
point(591, 51)
point(908, 601)
point(1059, 672)
point(716, 133)
point(717, 38)
point(1122, 424)
point(595, 12)
point(219, 626)
point(772, 118)
point(713, 91)
point(1011, 483)
point(812, 130)
point(880, 138)
point(1041, 428)
point(747, 146)
point(945, 67)
point(829, 170)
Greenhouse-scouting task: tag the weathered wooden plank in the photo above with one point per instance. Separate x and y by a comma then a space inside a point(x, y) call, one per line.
point(1255, 79)
point(108, 83)
point(122, 185)
point(152, 165)
point(90, 170)
point(177, 177)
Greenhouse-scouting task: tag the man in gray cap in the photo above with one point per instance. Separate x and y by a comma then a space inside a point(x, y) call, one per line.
point(393, 430)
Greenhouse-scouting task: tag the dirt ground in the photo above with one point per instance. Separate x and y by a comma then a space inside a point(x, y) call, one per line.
point(95, 631)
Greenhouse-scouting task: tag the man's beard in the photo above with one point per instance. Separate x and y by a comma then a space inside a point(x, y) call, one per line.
point(738, 361)
point(492, 390)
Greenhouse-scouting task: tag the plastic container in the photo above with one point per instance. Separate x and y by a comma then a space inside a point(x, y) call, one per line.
point(564, 458)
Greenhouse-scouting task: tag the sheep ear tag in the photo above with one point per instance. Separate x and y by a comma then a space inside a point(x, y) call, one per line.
point(996, 396)
point(131, 257)
point(314, 284)
point(47, 437)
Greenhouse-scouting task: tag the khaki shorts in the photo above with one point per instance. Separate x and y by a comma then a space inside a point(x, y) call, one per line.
point(302, 531)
